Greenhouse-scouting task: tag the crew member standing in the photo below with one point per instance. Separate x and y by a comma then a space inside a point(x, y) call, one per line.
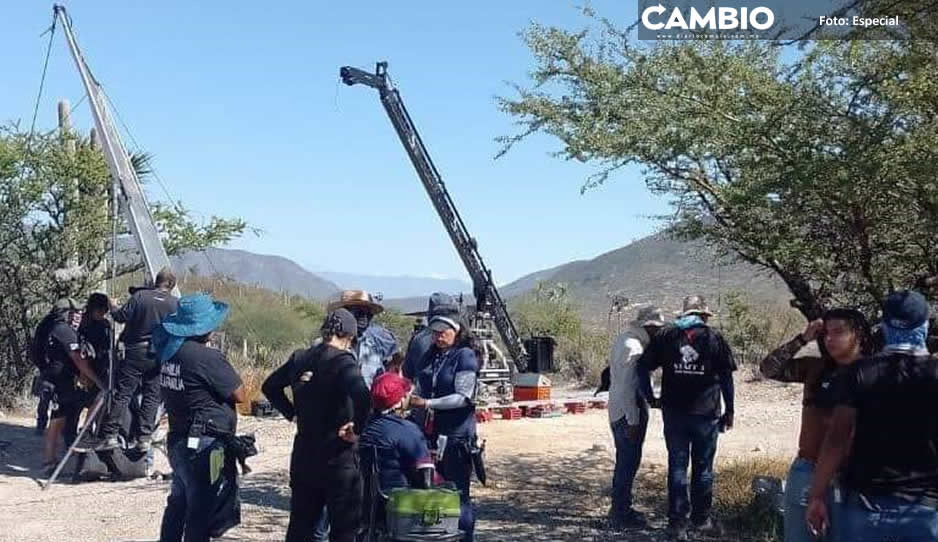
point(374, 345)
point(142, 312)
point(69, 372)
point(697, 368)
point(446, 388)
point(628, 413)
point(331, 404)
point(200, 389)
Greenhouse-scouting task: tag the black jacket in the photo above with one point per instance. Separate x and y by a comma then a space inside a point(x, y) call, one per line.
point(328, 392)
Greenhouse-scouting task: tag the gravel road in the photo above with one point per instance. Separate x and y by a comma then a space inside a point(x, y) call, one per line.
point(547, 476)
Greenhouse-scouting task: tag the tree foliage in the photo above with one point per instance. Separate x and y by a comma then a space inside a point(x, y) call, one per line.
point(54, 216)
point(819, 169)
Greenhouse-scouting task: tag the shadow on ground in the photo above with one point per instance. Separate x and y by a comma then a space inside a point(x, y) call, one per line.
point(558, 499)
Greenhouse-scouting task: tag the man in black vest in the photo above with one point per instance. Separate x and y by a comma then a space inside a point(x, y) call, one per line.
point(330, 403)
point(142, 312)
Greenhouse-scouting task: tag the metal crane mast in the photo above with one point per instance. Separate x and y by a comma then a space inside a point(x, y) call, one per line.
point(131, 198)
point(487, 297)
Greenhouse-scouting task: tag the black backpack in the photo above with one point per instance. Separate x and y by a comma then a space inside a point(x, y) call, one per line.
point(40, 342)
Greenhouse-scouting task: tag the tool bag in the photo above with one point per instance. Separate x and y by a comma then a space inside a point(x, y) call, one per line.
point(415, 512)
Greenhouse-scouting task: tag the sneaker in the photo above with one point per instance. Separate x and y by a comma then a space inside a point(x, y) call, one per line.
point(678, 532)
point(707, 528)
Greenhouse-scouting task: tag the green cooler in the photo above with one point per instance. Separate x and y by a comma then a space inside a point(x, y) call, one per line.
point(422, 513)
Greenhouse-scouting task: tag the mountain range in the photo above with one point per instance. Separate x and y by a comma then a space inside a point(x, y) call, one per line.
point(655, 269)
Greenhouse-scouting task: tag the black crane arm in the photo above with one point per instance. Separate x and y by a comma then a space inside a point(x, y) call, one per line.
point(486, 294)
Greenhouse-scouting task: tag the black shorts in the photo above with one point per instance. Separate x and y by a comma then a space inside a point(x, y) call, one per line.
point(67, 409)
point(69, 401)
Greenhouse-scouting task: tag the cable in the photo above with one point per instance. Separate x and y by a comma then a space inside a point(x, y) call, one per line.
point(166, 191)
point(42, 84)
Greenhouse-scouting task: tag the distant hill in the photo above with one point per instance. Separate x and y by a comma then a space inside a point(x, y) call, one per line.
point(396, 287)
point(655, 269)
point(271, 272)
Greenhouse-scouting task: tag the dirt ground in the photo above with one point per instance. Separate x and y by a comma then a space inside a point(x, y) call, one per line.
point(546, 476)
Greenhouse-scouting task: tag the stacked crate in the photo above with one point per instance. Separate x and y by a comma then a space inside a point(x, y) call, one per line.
point(531, 387)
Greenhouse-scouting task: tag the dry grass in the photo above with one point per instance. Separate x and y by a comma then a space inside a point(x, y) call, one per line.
point(744, 518)
point(735, 503)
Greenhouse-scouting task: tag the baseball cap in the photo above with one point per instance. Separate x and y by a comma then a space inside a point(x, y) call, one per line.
point(388, 389)
point(906, 309)
point(442, 323)
point(340, 322)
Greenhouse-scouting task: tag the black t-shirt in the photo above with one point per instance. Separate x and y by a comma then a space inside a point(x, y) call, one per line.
point(142, 312)
point(692, 361)
point(197, 383)
point(98, 334)
point(62, 341)
point(895, 446)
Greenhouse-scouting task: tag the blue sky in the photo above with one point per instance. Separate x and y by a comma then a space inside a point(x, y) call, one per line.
point(241, 105)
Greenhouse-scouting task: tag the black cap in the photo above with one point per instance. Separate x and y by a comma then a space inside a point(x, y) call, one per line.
point(906, 309)
point(340, 322)
point(442, 304)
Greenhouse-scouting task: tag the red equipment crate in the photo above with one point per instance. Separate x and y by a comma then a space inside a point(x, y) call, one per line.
point(511, 413)
point(575, 408)
point(598, 404)
point(483, 416)
point(539, 393)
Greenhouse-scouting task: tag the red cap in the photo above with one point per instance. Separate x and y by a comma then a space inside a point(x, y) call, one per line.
point(388, 389)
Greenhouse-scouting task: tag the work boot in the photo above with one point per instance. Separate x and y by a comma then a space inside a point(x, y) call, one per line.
point(633, 519)
point(108, 443)
point(144, 442)
point(678, 532)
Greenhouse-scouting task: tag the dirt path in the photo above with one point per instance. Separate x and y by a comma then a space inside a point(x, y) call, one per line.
point(549, 477)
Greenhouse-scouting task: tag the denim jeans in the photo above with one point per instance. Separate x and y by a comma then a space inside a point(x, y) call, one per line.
point(190, 503)
point(321, 529)
point(456, 467)
point(888, 518)
point(690, 438)
point(628, 459)
point(797, 489)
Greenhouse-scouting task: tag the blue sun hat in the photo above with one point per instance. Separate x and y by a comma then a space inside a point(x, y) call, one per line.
point(197, 314)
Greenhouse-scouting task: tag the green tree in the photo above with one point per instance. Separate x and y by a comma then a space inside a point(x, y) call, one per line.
point(820, 170)
point(53, 214)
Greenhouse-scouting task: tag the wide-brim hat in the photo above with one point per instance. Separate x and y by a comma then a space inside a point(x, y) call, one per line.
point(356, 298)
point(196, 315)
point(695, 304)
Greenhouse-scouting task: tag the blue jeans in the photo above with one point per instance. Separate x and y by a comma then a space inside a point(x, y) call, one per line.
point(321, 529)
point(456, 467)
point(628, 459)
point(797, 489)
point(890, 518)
point(690, 438)
point(190, 503)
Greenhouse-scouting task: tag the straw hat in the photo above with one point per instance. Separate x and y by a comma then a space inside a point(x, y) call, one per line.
point(356, 298)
